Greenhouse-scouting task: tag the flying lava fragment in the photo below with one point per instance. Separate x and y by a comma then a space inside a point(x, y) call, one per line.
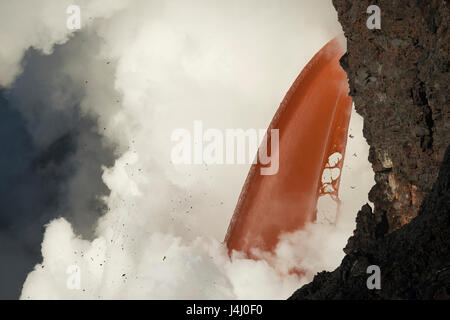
point(312, 123)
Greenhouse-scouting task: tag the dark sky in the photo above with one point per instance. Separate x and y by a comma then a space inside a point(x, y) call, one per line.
point(40, 152)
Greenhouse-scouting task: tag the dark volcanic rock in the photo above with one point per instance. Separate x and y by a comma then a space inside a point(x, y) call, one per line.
point(398, 78)
point(399, 82)
point(414, 260)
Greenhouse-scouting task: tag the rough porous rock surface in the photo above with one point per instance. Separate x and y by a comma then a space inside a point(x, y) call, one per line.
point(414, 260)
point(399, 78)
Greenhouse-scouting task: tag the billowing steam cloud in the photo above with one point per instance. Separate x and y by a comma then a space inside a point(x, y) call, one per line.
point(40, 25)
point(227, 63)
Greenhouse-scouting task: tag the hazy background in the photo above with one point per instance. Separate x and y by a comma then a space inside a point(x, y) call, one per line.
point(86, 126)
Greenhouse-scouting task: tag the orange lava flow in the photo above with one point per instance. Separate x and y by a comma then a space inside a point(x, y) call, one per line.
point(313, 122)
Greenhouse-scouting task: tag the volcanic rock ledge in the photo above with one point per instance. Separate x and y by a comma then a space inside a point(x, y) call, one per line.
point(398, 78)
point(414, 260)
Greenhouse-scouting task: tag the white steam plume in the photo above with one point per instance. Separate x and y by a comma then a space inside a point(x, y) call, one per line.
point(40, 25)
point(229, 64)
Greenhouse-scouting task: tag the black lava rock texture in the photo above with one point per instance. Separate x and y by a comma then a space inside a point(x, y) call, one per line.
point(398, 78)
point(414, 260)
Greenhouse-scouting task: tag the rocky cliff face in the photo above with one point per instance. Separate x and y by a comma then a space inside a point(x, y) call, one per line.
point(399, 83)
point(414, 260)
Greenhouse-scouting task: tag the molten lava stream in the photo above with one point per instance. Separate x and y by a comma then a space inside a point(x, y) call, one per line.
point(313, 123)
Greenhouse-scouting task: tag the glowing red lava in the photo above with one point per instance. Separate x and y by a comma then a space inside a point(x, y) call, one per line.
point(313, 123)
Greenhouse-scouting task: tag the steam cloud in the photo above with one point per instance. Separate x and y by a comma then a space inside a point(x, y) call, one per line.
point(148, 67)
